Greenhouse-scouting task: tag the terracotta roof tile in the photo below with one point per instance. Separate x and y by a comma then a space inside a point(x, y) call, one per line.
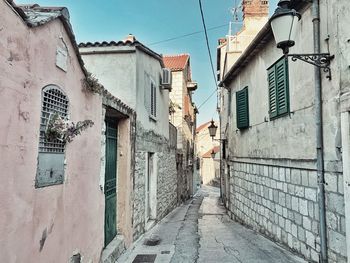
point(201, 127)
point(176, 62)
point(208, 153)
point(130, 40)
point(204, 125)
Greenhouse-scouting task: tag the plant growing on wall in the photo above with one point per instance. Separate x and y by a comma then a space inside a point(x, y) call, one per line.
point(91, 84)
point(63, 130)
point(173, 106)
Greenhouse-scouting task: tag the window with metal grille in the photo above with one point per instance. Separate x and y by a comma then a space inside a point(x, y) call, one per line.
point(51, 153)
point(153, 101)
point(242, 108)
point(229, 103)
point(277, 77)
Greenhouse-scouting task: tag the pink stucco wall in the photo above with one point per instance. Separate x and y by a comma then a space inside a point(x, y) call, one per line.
point(72, 213)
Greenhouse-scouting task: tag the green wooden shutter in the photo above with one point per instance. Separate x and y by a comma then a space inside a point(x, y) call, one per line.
point(277, 77)
point(282, 87)
point(242, 108)
point(272, 92)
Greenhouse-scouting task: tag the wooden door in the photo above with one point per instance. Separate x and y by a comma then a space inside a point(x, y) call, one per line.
point(111, 182)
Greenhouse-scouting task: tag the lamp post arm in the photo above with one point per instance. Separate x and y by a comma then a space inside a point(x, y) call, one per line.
point(321, 60)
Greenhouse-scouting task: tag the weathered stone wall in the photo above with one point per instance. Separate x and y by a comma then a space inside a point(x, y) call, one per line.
point(139, 193)
point(148, 141)
point(167, 182)
point(281, 202)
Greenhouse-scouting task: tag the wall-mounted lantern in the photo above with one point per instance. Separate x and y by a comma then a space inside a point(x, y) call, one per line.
point(212, 129)
point(284, 23)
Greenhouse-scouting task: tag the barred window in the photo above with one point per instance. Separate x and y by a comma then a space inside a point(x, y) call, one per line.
point(153, 99)
point(51, 154)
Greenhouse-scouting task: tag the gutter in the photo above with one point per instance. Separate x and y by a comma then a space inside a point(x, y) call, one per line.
point(319, 135)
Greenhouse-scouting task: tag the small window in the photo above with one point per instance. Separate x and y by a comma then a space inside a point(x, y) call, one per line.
point(153, 112)
point(242, 108)
point(50, 169)
point(277, 76)
point(229, 103)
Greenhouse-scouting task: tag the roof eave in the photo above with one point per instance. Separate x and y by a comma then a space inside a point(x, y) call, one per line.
point(263, 36)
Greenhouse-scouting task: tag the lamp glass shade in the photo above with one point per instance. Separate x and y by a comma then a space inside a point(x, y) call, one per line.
point(284, 28)
point(213, 154)
point(212, 129)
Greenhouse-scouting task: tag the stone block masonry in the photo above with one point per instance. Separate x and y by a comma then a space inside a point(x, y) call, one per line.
point(281, 203)
point(166, 191)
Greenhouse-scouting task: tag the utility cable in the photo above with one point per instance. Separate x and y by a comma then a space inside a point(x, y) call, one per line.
point(211, 95)
point(210, 57)
point(185, 35)
point(207, 42)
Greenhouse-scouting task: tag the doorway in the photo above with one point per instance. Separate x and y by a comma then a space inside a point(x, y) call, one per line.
point(111, 181)
point(150, 188)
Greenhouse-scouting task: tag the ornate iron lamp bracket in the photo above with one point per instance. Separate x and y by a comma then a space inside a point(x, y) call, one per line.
point(321, 60)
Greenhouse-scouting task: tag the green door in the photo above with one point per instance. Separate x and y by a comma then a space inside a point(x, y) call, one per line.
point(111, 182)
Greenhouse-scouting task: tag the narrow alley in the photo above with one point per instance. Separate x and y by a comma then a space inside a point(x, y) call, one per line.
point(200, 231)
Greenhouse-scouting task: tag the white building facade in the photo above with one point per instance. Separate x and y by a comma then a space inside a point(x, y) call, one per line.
point(271, 136)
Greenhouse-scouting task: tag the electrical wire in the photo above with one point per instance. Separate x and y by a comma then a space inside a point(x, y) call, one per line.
point(207, 42)
point(185, 35)
point(210, 57)
point(211, 95)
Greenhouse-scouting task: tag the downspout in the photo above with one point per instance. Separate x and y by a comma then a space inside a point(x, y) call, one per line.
point(319, 135)
point(220, 141)
point(220, 164)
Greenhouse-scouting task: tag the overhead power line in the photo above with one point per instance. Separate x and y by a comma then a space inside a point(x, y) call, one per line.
point(205, 101)
point(185, 35)
point(209, 53)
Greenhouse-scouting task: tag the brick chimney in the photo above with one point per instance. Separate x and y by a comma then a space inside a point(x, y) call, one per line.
point(255, 8)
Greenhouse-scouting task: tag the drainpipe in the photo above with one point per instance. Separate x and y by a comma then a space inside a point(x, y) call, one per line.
point(319, 135)
point(220, 164)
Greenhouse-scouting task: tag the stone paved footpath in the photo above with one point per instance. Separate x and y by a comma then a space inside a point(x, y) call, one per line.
point(200, 231)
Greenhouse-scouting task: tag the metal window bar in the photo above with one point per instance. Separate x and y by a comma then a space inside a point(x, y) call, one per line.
point(53, 101)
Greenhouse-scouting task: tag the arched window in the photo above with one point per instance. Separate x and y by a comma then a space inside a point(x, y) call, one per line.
point(51, 154)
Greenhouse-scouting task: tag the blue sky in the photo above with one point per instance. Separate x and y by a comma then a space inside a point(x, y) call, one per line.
point(157, 20)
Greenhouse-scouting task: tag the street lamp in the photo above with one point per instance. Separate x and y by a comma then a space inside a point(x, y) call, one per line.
point(284, 23)
point(212, 129)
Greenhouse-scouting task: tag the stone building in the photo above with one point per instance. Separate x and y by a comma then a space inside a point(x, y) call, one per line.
point(205, 145)
point(132, 72)
point(210, 167)
point(230, 48)
point(52, 208)
point(183, 117)
point(271, 157)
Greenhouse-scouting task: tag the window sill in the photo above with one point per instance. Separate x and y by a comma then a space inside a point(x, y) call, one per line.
point(152, 118)
point(279, 116)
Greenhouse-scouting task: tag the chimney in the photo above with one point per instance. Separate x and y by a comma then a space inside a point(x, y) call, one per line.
point(131, 38)
point(255, 8)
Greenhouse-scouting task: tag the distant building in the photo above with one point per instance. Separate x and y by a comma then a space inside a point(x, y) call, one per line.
point(133, 72)
point(182, 114)
point(209, 168)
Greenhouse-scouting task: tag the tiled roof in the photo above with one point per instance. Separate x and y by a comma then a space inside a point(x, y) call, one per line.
point(129, 41)
point(176, 62)
point(216, 149)
point(204, 125)
point(34, 16)
point(201, 127)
